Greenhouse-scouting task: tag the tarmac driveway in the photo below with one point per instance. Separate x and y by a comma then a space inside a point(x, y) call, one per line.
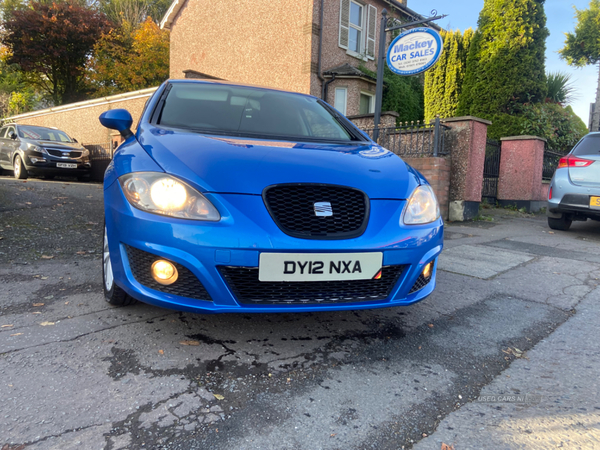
point(76, 373)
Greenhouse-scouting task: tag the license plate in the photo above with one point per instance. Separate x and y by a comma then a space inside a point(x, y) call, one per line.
point(595, 202)
point(66, 165)
point(318, 266)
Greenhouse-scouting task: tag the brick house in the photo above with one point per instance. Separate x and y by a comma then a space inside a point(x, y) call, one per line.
point(280, 44)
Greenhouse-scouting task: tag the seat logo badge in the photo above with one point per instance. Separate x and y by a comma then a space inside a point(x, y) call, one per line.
point(323, 209)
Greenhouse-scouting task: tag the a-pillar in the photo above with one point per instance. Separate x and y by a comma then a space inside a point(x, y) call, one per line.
point(521, 167)
point(466, 142)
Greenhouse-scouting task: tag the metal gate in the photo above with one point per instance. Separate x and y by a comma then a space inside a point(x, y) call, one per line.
point(491, 171)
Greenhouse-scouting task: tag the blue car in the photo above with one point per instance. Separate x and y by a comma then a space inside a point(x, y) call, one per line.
point(233, 198)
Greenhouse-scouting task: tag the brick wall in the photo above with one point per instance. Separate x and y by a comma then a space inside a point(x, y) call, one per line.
point(245, 41)
point(437, 172)
point(80, 120)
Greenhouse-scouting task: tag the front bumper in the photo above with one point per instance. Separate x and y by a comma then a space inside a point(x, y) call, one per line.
point(205, 249)
point(41, 163)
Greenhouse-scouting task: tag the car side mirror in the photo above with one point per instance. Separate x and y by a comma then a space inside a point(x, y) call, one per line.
point(117, 119)
point(75, 140)
point(12, 135)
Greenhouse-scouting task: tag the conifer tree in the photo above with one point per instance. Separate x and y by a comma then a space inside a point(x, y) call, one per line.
point(443, 83)
point(505, 67)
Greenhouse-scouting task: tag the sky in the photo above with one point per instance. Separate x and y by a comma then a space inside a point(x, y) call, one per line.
point(463, 14)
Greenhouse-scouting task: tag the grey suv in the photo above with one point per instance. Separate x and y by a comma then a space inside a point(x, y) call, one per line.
point(575, 187)
point(28, 149)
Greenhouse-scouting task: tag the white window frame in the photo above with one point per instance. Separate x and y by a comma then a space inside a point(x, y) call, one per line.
point(371, 101)
point(345, 96)
point(361, 29)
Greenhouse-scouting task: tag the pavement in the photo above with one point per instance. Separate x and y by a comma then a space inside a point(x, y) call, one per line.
point(503, 355)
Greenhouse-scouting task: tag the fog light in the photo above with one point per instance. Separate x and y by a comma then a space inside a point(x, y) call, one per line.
point(164, 272)
point(427, 270)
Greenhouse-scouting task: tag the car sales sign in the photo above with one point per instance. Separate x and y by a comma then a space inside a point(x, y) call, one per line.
point(414, 51)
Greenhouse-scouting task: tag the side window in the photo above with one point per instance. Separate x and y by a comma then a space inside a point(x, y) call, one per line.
point(2, 132)
point(341, 99)
point(355, 30)
point(367, 103)
point(9, 131)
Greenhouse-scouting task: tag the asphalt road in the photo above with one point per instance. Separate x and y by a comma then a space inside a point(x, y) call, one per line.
point(76, 373)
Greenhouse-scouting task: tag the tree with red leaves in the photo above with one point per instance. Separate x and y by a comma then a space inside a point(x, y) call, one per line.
point(52, 42)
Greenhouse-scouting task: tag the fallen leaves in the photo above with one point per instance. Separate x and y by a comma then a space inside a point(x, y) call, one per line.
point(16, 334)
point(46, 324)
point(515, 352)
point(219, 397)
point(161, 352)
point(7, 326)
point(192, 343)
point(447, 447)
point(47, 256)
point(38, 304)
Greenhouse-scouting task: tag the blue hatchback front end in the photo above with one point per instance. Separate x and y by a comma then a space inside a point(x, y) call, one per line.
point(239, 199)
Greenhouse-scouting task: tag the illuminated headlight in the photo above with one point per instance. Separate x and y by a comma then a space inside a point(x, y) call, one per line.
point(422, 207)
point(159, 193)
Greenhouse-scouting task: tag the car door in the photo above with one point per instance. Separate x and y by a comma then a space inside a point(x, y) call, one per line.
point(10, 145)
point(3, 152)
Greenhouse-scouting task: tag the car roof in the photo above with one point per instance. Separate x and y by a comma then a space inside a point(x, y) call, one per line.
point(231, 83)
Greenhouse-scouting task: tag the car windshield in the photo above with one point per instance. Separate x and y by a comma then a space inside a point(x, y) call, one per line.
point(589, 145)
point(43, 134)
point(253, 112)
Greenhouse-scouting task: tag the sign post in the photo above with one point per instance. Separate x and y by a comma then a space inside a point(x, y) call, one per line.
point(412, 52)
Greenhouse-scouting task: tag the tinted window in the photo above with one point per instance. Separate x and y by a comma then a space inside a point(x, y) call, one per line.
point(589, 145)
point(43, 134)
point(250, 112)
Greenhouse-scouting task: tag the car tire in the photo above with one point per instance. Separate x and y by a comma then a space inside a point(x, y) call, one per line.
point(563, 224)
point(113, 294)
point(19, 169)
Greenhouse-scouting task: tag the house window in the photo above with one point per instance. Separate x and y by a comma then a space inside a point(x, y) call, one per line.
point(356, 27)
point(367, 103)
point(341, 99)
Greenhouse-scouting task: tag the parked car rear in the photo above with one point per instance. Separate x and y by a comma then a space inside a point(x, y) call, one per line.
point(575, 187)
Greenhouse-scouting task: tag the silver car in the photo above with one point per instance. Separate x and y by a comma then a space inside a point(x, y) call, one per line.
point(575, 187)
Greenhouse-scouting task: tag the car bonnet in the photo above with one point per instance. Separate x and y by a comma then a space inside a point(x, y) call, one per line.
point(247, 166)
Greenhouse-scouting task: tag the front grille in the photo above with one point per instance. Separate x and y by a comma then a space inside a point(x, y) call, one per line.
point(244, 283)
point(420, 283)
point(187, 284)
point(60, 153)
point(292, 207)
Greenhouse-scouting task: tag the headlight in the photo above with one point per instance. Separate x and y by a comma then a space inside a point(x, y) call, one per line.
point(36, 148)
point(160, 193)
point(422, 207)
point(85, 152)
